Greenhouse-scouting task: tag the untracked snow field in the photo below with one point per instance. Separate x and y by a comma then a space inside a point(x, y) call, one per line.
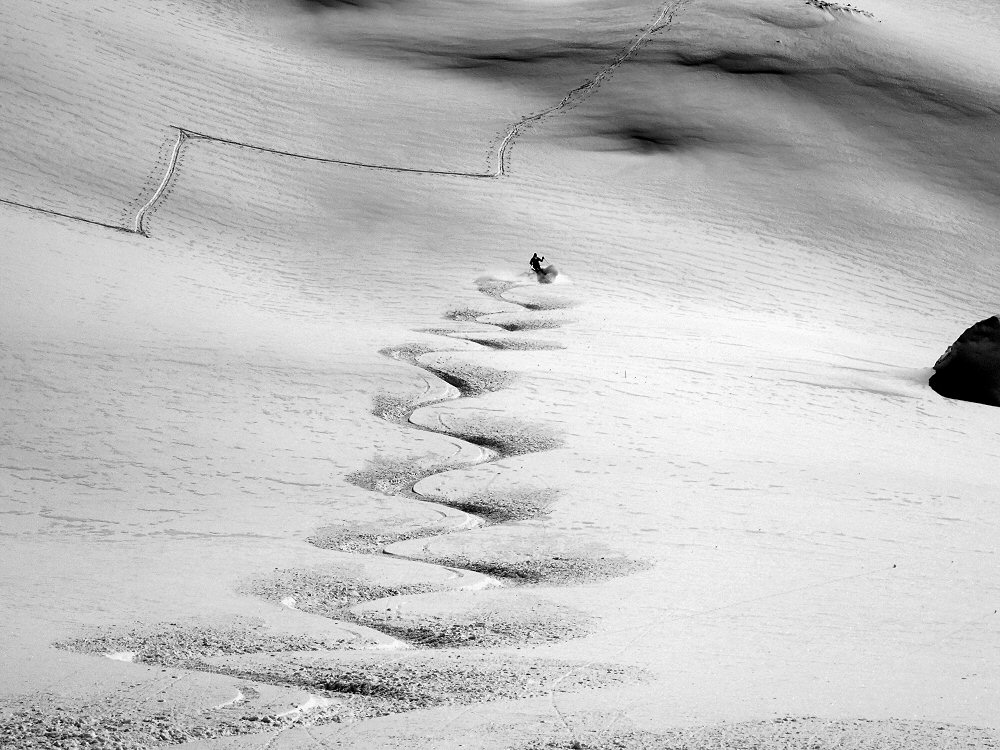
point(296, 452)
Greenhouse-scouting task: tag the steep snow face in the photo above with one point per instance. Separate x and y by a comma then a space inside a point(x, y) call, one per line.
point(769, 219)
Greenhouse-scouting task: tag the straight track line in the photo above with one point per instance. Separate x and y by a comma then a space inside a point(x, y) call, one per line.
point(327, 160)
point(51, 212)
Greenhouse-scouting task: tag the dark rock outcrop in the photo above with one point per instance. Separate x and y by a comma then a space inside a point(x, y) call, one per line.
point(970, 369)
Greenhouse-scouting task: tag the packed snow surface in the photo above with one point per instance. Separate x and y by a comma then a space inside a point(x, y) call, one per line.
point(287, 417)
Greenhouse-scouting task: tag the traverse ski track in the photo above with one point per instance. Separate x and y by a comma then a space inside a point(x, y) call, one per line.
point(61, 214)
point(663, 19)
point(500, 155)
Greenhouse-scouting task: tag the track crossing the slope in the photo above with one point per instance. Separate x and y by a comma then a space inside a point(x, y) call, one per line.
point(500, 161)
point(663, 19)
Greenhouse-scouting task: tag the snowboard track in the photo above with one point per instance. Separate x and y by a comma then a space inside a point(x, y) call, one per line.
point(499, 161)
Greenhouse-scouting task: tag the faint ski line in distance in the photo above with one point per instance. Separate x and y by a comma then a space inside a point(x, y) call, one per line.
point(52, 212)
point(327, 160)
point(663, 20)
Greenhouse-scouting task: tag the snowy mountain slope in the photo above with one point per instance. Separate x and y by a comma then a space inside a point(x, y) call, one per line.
point(764, 247)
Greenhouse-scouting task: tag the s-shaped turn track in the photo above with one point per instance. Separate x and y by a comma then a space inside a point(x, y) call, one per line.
point(500, 158)
point(395, 655)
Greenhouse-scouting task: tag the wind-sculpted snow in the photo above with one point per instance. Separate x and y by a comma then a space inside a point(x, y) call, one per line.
point(179, 138)
point(504, 144)
point(847, 8)
point(281, 468)
point(184, 138)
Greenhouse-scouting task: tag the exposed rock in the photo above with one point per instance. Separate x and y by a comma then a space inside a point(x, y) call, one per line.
point(970, 369)
point(838, 8)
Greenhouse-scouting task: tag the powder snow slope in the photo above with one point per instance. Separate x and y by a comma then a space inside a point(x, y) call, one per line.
point(770, 218)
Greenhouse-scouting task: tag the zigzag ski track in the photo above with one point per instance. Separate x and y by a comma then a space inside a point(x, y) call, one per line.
point(500, 158)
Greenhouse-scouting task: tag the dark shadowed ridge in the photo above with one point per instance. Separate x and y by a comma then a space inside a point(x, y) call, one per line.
point(823, 59)
point(646, 134)
point(919, 120)
point(319, 5)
